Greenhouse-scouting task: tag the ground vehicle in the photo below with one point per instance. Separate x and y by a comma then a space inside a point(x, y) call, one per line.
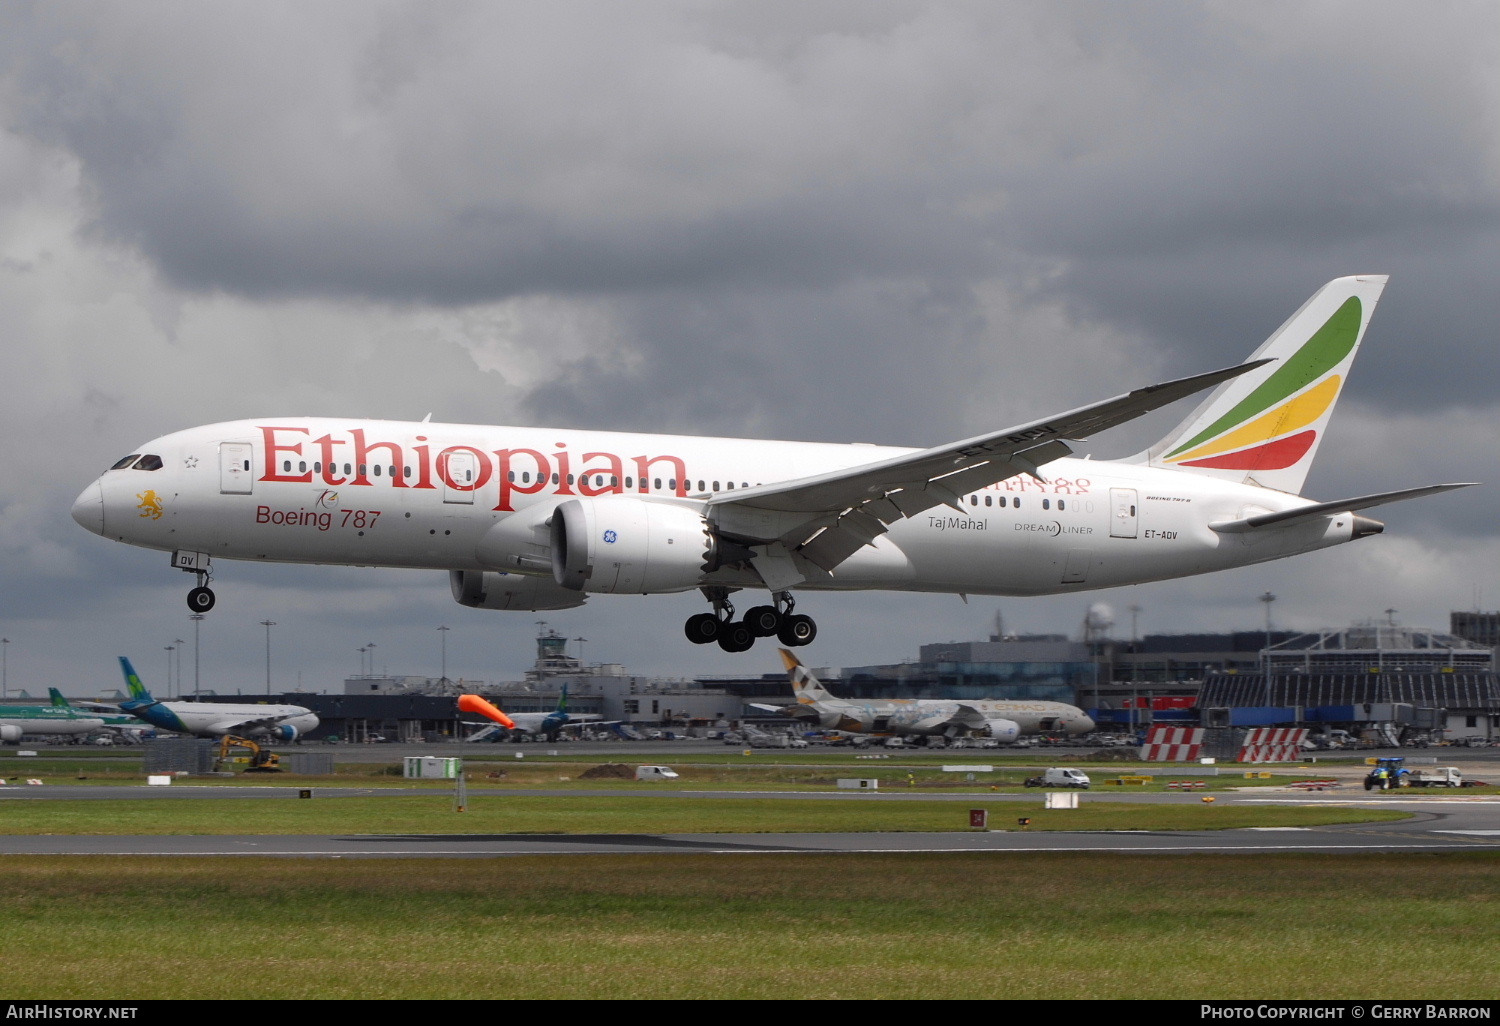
point(1438, 776)
point(655, 773)
point(1388, 773)
point(1058, 776)
point(262, 760)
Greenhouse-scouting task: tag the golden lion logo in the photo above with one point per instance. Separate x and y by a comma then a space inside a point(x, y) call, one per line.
point(150, 505)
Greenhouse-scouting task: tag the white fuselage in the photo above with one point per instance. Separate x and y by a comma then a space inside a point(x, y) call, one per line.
point(382, 493)
point(924, 716)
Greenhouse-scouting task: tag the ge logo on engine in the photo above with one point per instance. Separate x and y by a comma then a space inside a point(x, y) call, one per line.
point(610, 536)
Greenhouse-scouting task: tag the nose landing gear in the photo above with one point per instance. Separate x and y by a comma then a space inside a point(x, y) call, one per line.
point(200, 599)
point(791, 629)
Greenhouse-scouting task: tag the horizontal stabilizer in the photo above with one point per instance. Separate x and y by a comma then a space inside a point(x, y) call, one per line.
point(1302, 514)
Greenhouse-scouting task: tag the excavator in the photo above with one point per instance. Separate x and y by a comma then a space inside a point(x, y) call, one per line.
point(262, 760)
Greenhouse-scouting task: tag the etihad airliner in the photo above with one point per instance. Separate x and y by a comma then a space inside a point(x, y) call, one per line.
point(534, 518)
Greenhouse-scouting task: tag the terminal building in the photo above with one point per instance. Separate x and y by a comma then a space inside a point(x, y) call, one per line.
point(1398, 682)
point(1378, 680)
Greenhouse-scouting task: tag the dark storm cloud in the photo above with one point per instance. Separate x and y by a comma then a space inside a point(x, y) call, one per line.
point(888, 222)
point(484, 153)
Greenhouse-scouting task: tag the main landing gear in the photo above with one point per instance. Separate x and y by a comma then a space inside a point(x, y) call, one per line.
point(792, 629)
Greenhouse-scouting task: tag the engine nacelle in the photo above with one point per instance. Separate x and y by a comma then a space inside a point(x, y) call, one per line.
point(10, 732)
point(510, 591)
point(1004, 731)
point(284, 733)
point(622, 545)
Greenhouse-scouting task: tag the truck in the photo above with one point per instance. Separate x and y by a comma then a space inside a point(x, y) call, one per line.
point(1060, 776)
point(1438, 776)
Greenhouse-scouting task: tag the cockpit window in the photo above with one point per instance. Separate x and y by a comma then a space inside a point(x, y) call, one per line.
point(127, 461)
point(149, 462)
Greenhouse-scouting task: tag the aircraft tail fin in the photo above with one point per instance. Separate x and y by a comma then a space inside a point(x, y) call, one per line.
point(1264, 427)
point(138, 693)
point(805, 686)
point(58, 701)
point(562, 701)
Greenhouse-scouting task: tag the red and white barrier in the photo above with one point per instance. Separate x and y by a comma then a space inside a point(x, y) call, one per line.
point(1173, 744)
point(1273, 744)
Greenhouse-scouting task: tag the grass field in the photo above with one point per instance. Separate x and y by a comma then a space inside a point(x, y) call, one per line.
point(961, 925)
point(426, 813)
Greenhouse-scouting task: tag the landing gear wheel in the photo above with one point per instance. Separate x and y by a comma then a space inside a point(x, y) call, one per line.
point(200, 600)
point(797, 630)
point(736, 637)
point(763, 621)
point(703, 628)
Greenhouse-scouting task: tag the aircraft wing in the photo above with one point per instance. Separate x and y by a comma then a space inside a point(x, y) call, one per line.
point(1287, 518)
point(811, 525)
point(246, 726)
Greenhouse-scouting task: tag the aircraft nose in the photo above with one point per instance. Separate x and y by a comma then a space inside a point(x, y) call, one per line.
point(88, 508)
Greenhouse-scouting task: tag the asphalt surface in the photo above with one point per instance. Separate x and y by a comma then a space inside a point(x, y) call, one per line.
point(1442, 821)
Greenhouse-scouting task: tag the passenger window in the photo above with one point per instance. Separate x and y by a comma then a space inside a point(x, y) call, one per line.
point(127, 461)
point(973, 500)
point(672, 483)
point(149, 462)
point(1060, 505)
point(1016, 502)
point(286, 466)
point(716, 486)
point(657, 485)
point(362, 470)
point(511, 476)
point(377, 470)
point(1046, 504)
point(989, 500)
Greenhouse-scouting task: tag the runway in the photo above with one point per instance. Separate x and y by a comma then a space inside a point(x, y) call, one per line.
point(1446, 822)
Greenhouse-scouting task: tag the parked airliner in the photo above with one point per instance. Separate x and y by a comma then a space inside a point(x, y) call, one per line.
point(1000, 718)
point(215, 719)
point(533, 518)
point(549, 724)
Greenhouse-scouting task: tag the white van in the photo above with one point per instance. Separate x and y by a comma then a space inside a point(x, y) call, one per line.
point(655, 773)
point(1059, 776)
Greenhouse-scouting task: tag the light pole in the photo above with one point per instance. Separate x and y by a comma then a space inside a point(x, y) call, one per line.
point(1265, 658)
point(370, 647)
point(4, 667)
point(169, 670)
point(197, 619)
point(268, 624)
point(361, 651)
point(443, 633)
point(580, 651)
point(179, 643)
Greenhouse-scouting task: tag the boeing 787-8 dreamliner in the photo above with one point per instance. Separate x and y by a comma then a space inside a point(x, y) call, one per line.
point(536, 518)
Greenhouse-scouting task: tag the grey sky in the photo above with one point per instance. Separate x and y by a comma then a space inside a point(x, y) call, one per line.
point(889, 222)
